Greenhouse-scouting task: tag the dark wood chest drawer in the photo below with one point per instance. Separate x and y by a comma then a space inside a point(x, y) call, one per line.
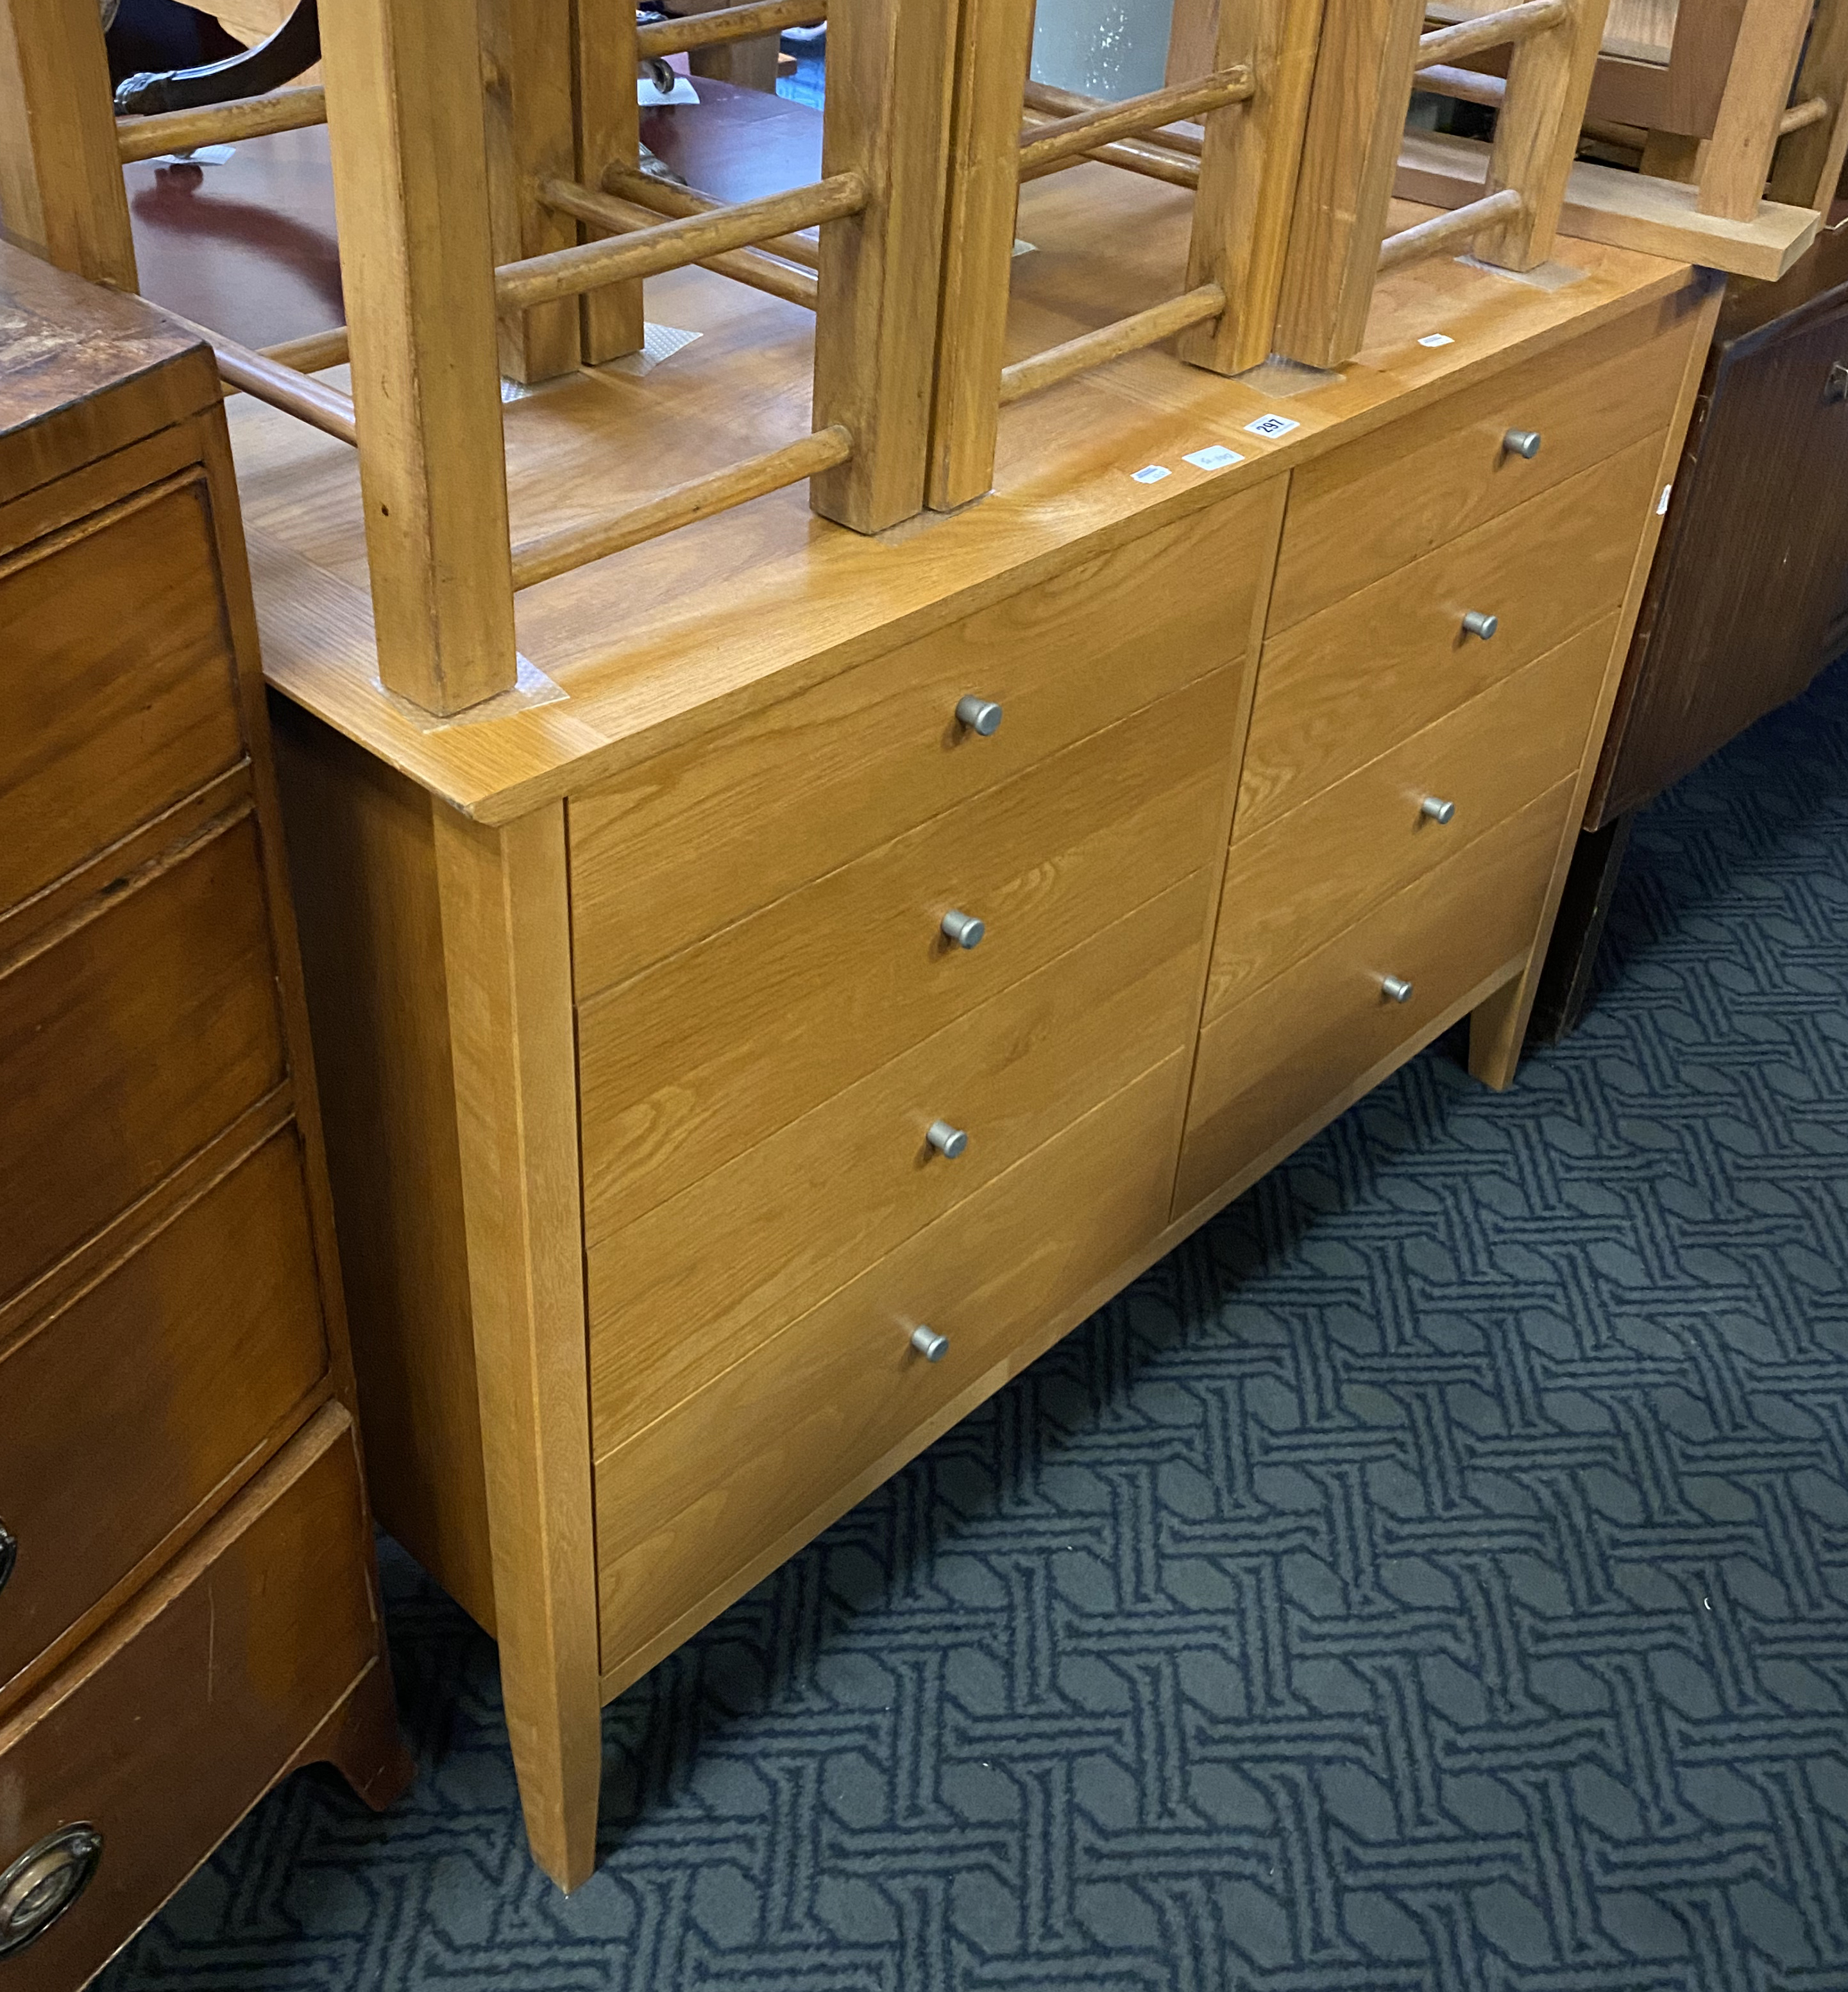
point(151, 1745)
point(118, 685)
point(161, 1376)
point(129, 1040)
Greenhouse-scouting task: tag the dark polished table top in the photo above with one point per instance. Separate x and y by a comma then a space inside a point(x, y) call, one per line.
point(249, 247)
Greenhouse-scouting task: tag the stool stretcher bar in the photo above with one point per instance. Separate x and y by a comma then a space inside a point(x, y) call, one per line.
point(1069, 137)
point(219, 124)
point(1489, 31)
point(1110, 342)
point(744, 266)
point(643, 190)
point(726, 24)
point(1057, 103)
point(309, 401)
point(1429, 238)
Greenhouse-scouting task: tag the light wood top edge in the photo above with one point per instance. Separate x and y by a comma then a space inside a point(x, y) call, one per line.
point(623, 709)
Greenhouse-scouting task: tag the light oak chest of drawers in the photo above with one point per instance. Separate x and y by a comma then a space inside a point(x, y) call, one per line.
point(722, 1108)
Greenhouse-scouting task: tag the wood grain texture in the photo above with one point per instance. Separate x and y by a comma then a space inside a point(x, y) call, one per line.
point(245, 1646)
point(685, 1508)
point(693, 1286)
point(131, 1039)
point(671, 851)
point(1443, 471)
point(361, 844)
point(507, 961)
point(61, 190)
point(404, 106)
point(1277, 1059)
point(887, 118)
point(121, 681)
point(608, 124)
point(160, 1377)
point(1757, 90)
point(1338, 688)
point(698, 1059)
point(1317, 869)
point(1499, 1028)
point(1356, 111)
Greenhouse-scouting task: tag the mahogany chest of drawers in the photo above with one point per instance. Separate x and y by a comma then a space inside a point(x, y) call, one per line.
point(187, 1600)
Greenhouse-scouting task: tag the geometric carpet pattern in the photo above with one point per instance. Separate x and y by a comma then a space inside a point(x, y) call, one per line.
point(1432, 1578)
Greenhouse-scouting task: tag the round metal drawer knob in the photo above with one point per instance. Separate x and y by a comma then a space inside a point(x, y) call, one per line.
point(1397, 988)
point(1437, 808)
point(1522, 442)
point(43, 1882)
point(979, 715)
point(9, 1553)
point(949, 1142)
point(929, 1344)
point(1476, 624)
point(963, 929)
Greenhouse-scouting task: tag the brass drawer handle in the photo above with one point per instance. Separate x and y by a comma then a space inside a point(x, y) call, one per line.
point(979, 715)
point(963, 929)
point(1477, 624)
point(43, 1882)
point(929, 1344)
point(1522, 442)
point(1396, 988)
point(949, 1142)
point(1437, 808)
point(9, 1553)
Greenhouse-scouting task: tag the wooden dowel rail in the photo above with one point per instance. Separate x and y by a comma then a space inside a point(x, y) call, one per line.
point(1490, 31)
point(1134, 155)
point(312, 402)
point(1799, 117)
point(539, 559)
point(219, 124)
point(663, 197)
point(311, 352)
point(1468, 86)
point(1428, 238)
point(727, 24)
point(744, 266)
point(671, 245)
point(1109, 342)
point(1088, 129)
point(1057, 103)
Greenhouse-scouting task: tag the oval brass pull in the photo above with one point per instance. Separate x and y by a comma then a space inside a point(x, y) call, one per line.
point(41, 1883)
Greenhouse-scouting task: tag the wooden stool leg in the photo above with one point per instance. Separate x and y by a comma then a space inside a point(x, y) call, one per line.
point(608, 130)
point(61, 189)
point(531, 134)
point(506, 953)
point(891, 70)
point(1808, 163)
point(992, 63)
point(1247, 178)
point(1357, 112)
point(404, 107)
point(1758, 92)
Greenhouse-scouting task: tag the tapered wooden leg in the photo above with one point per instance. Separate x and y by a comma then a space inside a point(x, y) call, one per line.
point(507, 957)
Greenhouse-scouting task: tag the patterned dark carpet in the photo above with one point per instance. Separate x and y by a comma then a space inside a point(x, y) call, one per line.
point(1433, 1578)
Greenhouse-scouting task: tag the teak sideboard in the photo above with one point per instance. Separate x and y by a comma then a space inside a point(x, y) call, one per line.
point(845, 962)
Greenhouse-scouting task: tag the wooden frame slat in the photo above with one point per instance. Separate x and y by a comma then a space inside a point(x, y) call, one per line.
point(727, 24)
point(608, 122)
point(749, 266)
point(1070, 136)
point(220, 124)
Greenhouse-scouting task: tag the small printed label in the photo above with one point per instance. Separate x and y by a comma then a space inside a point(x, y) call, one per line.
point(1151, 473)
point(1216, 457)
point(1662, 503)
point(1437, 338)
point(1272, 426)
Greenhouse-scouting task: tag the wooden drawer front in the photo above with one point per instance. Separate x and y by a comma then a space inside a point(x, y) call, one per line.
point(1362, 512)
point(1344, 686)
point(122, 1413)
point(703, 1056)
point(119, 679)
point(128, 1042)
point(703, 1278)
point(692, 839)
point(199, 1696)
point(1273, 1067)
point(1310, 874)
point(814, 1418)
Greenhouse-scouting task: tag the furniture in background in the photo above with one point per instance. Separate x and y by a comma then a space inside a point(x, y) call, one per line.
point(1748, 597)
point(187, 1599)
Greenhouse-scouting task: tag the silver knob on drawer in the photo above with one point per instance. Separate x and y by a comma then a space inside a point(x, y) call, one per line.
point(1397, 988)
point(43, 1882)
point(929, 1344)
point(9, 1553)
point(1476, 624)
point(1522, 442)
point(1437, 808)
point(963, 929)
point(947, 1141)
point(979, 715)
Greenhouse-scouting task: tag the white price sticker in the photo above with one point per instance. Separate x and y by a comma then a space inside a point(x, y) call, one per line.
point(1216, 457)
point(1272, 426)
point(1151, 473)
point(1437, 338)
